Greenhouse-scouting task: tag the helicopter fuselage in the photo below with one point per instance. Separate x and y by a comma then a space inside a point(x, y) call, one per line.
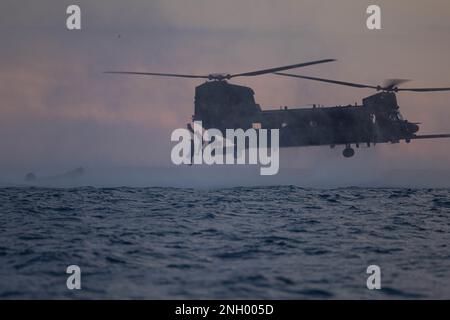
point(221, 105)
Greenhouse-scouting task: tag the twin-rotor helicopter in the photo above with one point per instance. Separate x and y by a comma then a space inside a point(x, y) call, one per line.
point(222, 105)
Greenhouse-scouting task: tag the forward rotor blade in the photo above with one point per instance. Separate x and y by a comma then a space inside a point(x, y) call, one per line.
point(272, 70)
point(423, 89)
point(350, 84)
point(159, 74)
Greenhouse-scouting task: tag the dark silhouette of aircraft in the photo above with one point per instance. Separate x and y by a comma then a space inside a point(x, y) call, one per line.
point(221, 105)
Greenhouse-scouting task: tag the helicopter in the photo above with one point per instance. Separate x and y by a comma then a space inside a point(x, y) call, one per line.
point(222, 105)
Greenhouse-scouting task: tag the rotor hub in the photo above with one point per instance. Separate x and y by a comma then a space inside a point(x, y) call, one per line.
point(219, 76)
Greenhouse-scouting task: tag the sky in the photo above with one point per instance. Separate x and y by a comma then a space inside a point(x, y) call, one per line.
point(59, 110)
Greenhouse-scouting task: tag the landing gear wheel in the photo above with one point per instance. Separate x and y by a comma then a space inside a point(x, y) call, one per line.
point(348, 152)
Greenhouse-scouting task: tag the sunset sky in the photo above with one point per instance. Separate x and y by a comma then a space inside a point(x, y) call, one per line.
point(59, 110)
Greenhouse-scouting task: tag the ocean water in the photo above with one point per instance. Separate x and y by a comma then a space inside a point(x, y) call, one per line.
point(280, 242)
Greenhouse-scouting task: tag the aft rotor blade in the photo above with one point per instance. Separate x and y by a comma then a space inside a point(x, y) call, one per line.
point(159, 74)
point(272, 70)
point(344, 83)
point(423, 89)
point(431, 136)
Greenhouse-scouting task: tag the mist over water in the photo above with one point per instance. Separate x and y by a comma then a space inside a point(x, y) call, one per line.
point(316, 167)
point(321, 178)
